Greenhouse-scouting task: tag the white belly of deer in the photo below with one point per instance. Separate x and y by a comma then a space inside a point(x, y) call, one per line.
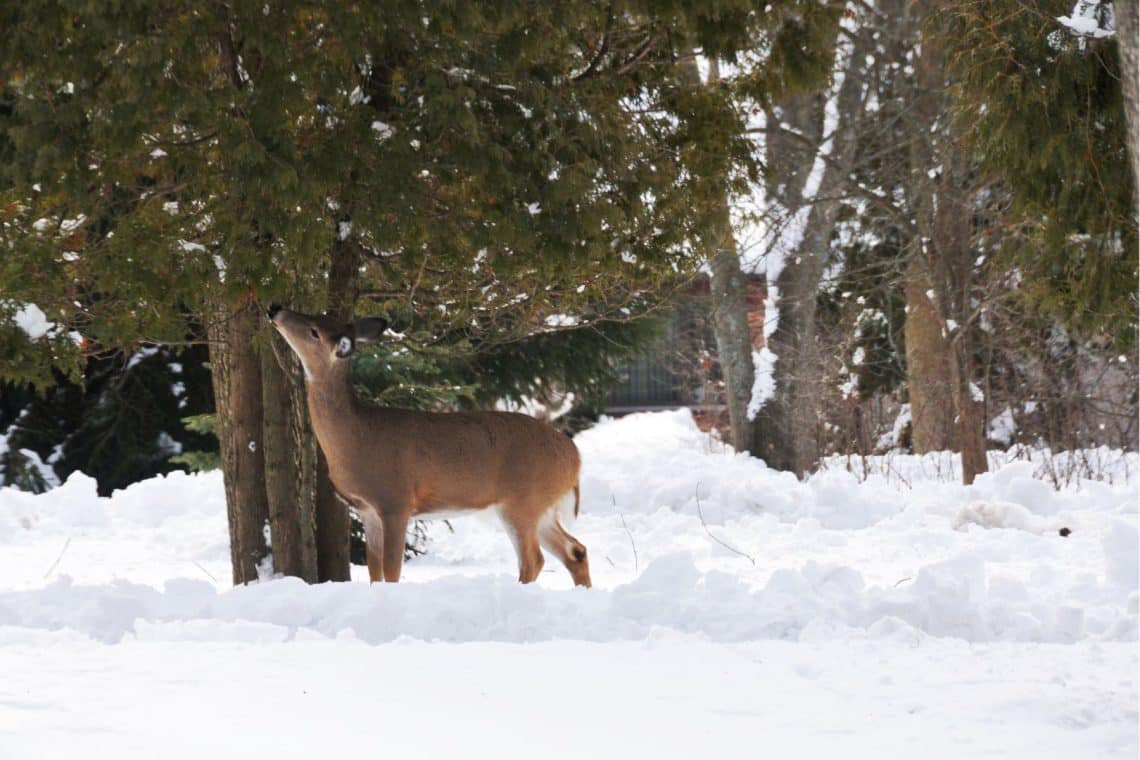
point(452, 513)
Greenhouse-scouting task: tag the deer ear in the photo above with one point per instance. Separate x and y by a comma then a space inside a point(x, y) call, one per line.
point(370, 329)
point(344, 346)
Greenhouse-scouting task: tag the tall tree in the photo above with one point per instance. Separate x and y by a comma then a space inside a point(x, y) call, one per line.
point(498, 171)
point(728, 287)
point(1071, 221)
point(811, 146)
point(1129, 46)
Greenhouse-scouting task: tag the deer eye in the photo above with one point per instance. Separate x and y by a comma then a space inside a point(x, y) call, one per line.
point(313, 332)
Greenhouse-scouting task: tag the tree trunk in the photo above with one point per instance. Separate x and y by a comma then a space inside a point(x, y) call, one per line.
point(1126, 18)
point(970, 419)
point(927, 365)
point(236, 370)
point(333, 528)
point(943, 186)
point(289, 466)
point(728, 286)
point(332, 519)
point(787, 426)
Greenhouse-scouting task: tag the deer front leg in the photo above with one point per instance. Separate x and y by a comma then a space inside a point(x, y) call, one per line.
point(373, 544)
point(395, 531)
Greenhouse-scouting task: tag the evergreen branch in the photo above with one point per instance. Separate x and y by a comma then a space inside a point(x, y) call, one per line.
point(604, 48)
point(637, 55)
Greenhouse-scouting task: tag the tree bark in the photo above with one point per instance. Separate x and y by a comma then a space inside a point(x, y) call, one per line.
point(236, 370)
point(943, 251)
point(927, 365)
point(1126, 19)
point(289, 465)
point(728, 287)
point(333, 524)
point(787, 426)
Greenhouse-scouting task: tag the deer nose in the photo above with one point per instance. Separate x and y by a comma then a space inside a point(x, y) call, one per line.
point(271, 312)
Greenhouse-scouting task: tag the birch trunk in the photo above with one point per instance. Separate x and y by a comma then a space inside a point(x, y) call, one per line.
point(1126, 18)
point(787, 426)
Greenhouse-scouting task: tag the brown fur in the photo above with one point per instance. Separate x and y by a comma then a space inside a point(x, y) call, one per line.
point(393, 465)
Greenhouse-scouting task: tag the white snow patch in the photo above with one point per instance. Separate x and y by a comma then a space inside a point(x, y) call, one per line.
point(1002, 428)
point(998, 514)
point(891, 440)
point(186, 245)
point(32, 320)
point(1090, 18)
point(383, 131)
point(957, 615)
point(763, 384)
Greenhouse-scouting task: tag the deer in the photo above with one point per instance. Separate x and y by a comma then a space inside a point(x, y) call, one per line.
point(391, 465)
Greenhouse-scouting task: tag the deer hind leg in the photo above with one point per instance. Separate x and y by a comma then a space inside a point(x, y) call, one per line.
point(568, 549)
point(524, 535)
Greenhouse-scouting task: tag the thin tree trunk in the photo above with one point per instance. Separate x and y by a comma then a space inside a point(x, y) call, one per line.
point(728, 286)
point(236, 370)
point(332, 519)
point(1126, 18)
point(943, 204)
point(288, 467)
point(927, 365)
point(970, 419)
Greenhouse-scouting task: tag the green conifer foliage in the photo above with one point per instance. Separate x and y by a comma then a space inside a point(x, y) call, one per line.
point(1044, 108)
point(490, 164)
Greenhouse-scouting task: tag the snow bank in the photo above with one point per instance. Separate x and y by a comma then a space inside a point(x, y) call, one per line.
point(729, 602)
point(684, 535)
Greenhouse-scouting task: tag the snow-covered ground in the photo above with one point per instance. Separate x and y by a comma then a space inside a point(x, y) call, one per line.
point(736, 613)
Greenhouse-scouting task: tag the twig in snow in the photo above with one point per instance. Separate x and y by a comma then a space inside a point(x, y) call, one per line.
point(62, 551)
point(902, 581)
point(204, 570)
point(628, 532)
point(700, 514)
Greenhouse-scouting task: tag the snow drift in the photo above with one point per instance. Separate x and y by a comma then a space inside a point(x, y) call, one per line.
point(685, 535)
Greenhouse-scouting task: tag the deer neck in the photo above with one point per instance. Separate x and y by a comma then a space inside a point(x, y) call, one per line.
point(335, 414)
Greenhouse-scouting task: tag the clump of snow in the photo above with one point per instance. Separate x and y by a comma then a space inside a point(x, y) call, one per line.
point(32, 320)
point(998, 514)
point(763, 384)
point(1002, 427)
point(1091, 18)
point(891, 440)
point(383, 131)
point(562, 320)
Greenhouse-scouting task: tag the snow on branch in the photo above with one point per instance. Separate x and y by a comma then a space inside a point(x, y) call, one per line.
point(1091, 18)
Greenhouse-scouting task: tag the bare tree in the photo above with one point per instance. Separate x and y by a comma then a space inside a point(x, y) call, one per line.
point(811, 142)
point(1126, 16)
point(728, 286)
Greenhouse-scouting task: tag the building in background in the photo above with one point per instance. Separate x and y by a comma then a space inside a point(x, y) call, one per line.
point(681, 369)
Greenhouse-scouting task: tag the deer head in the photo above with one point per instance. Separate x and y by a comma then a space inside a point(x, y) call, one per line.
point(323, 343)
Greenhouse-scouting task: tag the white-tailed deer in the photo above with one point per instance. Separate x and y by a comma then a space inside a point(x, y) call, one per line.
point(395, 464)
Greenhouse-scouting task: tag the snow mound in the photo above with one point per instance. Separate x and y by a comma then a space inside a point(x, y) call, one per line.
point(684, 535)
point(998, 514)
